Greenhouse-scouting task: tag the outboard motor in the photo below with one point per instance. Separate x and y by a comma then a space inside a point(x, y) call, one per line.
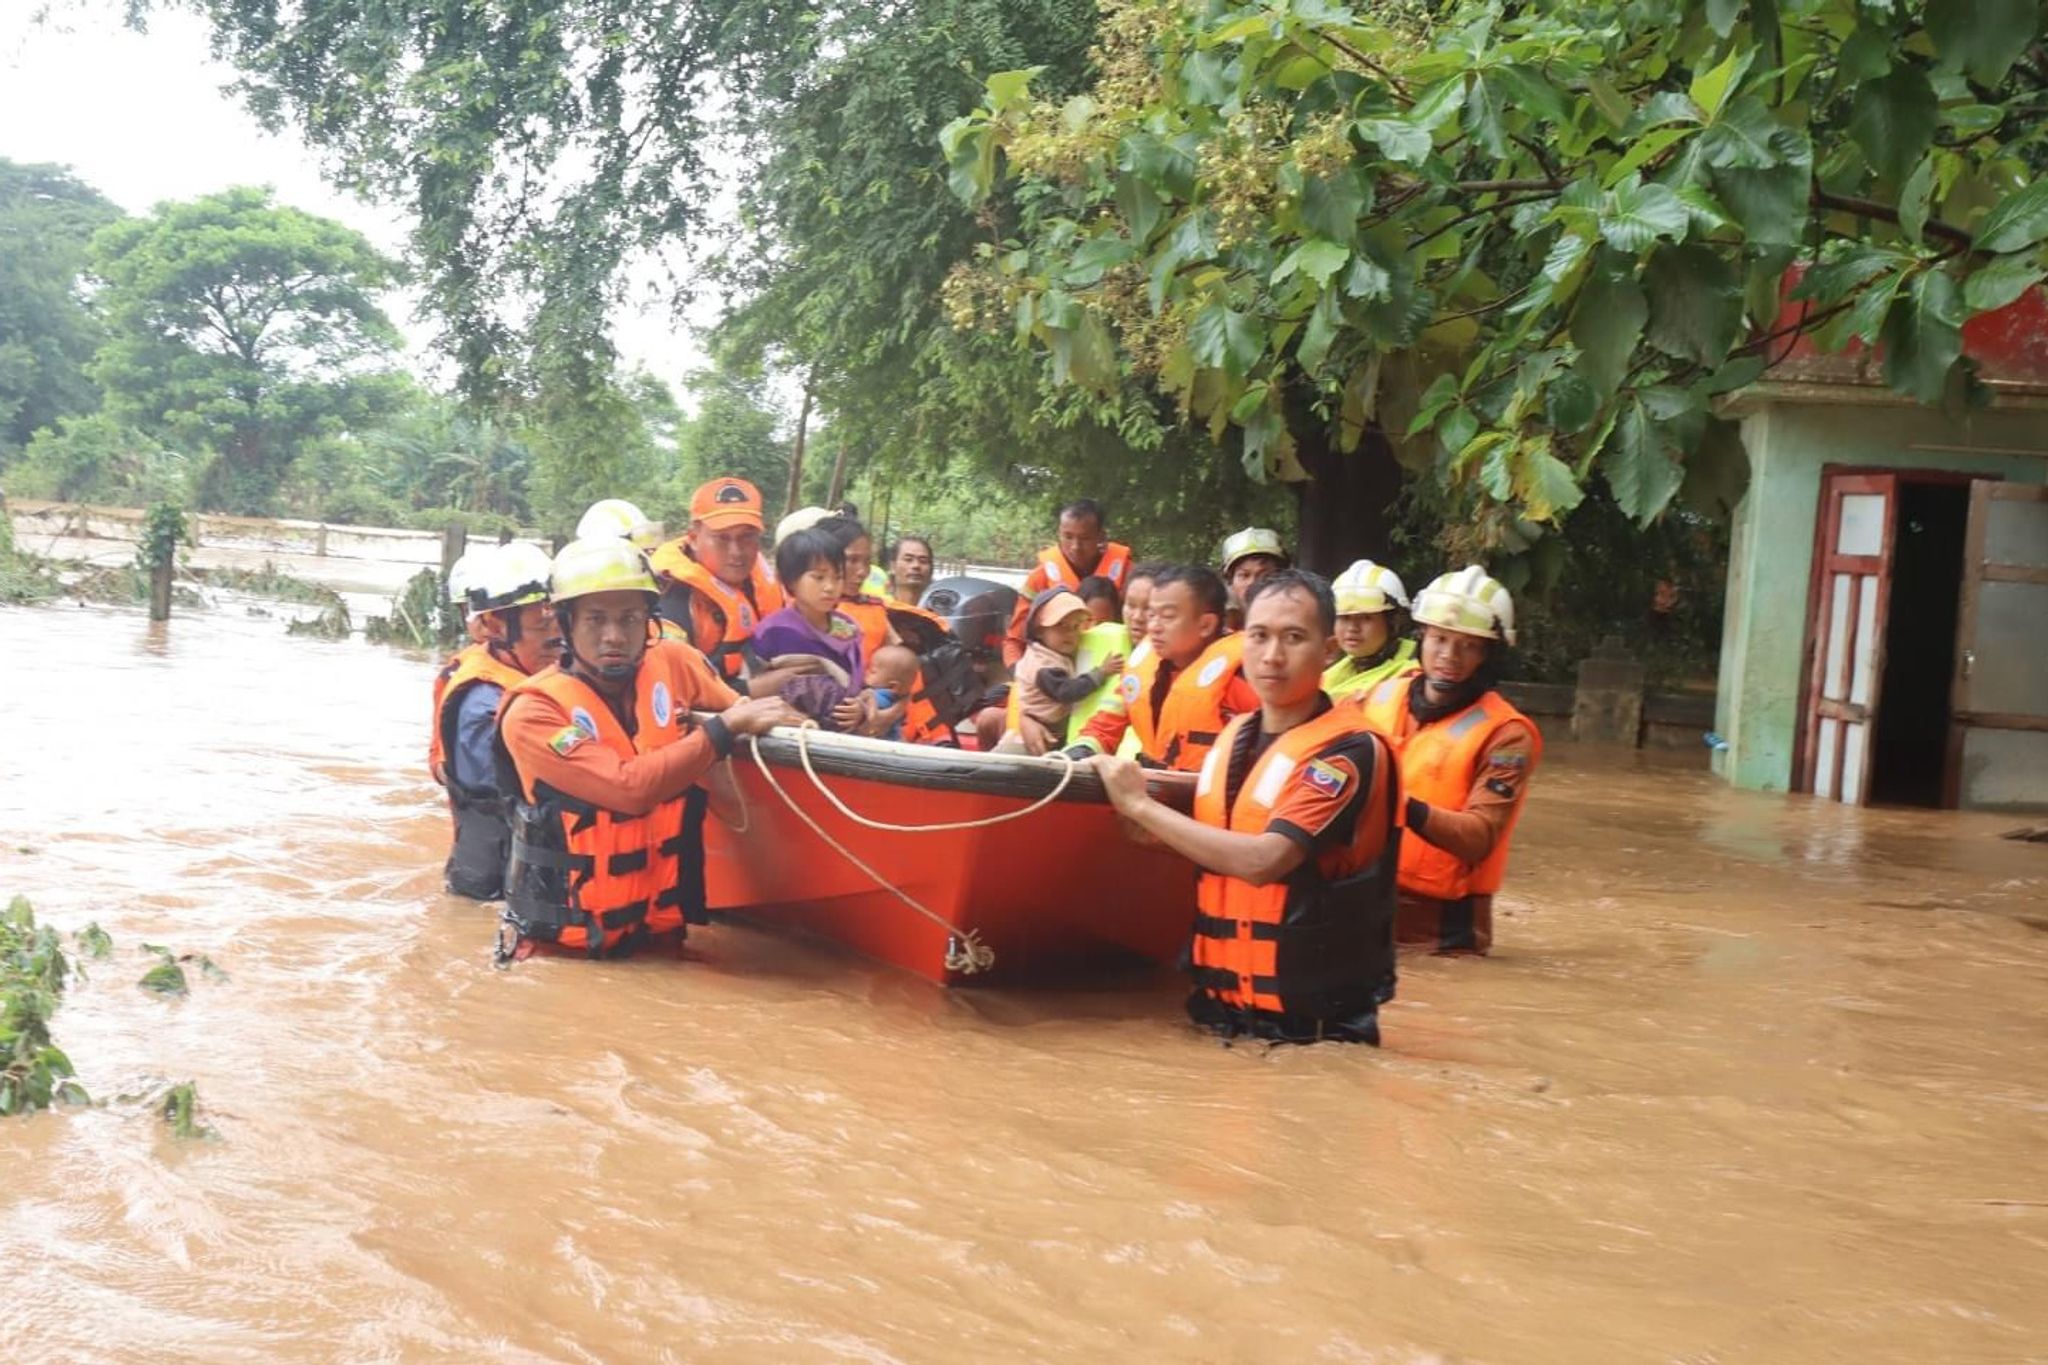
point(976, 610)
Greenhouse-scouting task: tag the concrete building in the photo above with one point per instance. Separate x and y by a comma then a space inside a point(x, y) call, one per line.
point(1886, 636)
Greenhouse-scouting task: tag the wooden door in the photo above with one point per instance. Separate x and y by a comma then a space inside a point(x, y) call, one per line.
point(1852, 592)
point(1998, 735)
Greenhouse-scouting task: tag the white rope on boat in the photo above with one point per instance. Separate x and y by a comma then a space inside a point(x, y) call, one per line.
point(965, 952)
point(803, 751)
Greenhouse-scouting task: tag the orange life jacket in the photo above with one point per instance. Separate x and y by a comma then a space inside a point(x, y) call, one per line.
point(437, 757)
point(1318, 945)
point(483, 831)
point(716, 617)
point(1187, 724)
point(586, 878)
point(1439, 763)
point(1115, 565)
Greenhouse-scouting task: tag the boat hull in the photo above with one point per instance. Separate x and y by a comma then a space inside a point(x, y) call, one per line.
point(1050, 892)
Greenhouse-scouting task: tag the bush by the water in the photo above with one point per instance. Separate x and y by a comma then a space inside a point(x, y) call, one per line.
point(34, 970)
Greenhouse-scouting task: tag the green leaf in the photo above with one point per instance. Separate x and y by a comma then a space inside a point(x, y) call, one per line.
point(1892, 118)
point(1331, 205)
point(1497, 473)
point(1645, 149)
point(1606, 325)
point(1315, 258)
point(1770, 205)
point(1983, 37)
point(2017, 221)
point(1544, 483)
point(1323, 323)
point(1460, 426)
point(2001, 282)
point(1865, 55)
point(1916, 198)
point(1250, 402)
point(1227, 340)
point(165, 978)
point(1140, 205)
point(1637, 464)
point(1747, 137)
point(1438, 104)
point(1716, 471)
point(1738, 373)
point(1710, 88)
point(1168, 166)
point(1923, 336)
point(1637, 214)
point(1487, 116)
point(1367, 279)
point(1009, 88)
point(1401, 141)
point(1721, 17)
point(1570, 403)
point(1695, 303)
point(1833, 281)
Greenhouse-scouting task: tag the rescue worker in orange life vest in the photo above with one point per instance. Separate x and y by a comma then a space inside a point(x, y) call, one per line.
point(714, 586)
point(1177, 695)
point(1248, 556)
point(1084, 550)
point(604, 757)
point(1466, 759)
point(460, 595)
point(519, 640)
point(1294, 828)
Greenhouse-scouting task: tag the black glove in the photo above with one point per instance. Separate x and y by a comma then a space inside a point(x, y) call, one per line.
point(1418, 814)
point(1080, 753)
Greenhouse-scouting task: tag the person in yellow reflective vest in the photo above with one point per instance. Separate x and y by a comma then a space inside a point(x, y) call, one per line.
point(1294, 830)
point(1372, 610)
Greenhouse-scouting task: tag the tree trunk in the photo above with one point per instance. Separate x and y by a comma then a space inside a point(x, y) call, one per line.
point(160, 590)
point(838, 490)
point(454, 540)
point(1347, 507)
point(796, 454)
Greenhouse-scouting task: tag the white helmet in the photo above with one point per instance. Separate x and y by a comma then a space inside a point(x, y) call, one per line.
point(600, 564)
point(1254, 540)
point(1469, 602)
point(802, 519)
point(1367, 587)
point(514, 576)
point(466, 573)
point(617, 517)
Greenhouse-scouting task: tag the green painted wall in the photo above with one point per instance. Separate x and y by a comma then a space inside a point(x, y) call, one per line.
point(1790, 441)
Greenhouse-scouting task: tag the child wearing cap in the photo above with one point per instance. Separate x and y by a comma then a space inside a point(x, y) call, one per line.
point(1046, 685)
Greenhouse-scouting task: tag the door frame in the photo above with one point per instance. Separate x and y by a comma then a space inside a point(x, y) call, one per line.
point(1824, 527)
point(1984, 490)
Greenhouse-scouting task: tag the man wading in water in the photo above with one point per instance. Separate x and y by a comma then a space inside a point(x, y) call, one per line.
point(1294, 832)
point(608, 832)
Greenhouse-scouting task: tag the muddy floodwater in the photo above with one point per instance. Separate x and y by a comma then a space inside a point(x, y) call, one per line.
point(1750, 1079)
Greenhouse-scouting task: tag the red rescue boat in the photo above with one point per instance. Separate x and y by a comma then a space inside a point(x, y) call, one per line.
point(961, 867)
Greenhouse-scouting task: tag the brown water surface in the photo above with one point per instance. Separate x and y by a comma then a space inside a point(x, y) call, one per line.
point(1749, 1079)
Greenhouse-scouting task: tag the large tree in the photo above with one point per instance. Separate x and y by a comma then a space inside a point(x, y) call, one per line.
point(1539, 237)
point(47, 334)
point(242, 328)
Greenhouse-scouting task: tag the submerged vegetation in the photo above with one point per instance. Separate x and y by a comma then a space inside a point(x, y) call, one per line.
point(34, 971)
point(419, 617)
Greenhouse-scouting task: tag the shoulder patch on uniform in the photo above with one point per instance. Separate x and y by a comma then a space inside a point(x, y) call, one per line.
point(1212, 671)
point(1513, 759)
point(567, 738)
point(1129, 688)
point(661, 704)
point(1330, 777)
point(583, 721)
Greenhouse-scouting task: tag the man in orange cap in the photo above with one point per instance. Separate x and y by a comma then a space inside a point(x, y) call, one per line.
point(714, 587)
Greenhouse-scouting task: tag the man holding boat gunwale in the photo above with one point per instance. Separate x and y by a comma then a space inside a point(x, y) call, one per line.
point(1294, 831)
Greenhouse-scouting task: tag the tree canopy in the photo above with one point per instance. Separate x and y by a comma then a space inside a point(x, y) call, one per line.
point(47, 334)
point(243, 328)
point(1538, 238)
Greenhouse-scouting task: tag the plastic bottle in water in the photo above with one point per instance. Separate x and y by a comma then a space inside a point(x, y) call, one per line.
point(1715, 742)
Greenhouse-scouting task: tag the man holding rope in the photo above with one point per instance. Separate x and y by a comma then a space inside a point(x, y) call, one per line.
point(1294, 830)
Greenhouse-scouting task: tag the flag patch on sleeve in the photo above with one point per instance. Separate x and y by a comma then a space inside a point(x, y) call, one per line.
point(1329, 779)
point(567, 738)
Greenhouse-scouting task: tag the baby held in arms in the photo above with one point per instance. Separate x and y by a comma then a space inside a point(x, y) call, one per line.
point(837, 688)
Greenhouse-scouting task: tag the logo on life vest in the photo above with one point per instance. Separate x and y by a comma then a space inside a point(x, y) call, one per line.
point(1212, 672)
point(584, 722)
point(663, 706)
point(1327, 778)
point(1130, 689)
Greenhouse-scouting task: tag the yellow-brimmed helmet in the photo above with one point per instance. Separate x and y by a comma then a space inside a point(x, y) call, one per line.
point(617, 517)
point(597, 564)
point(515, 575)
point(1469, 602)
point(1367, 587)
point(1253, 540)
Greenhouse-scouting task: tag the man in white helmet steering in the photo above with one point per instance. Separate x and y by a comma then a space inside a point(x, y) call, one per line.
point(1466, 758)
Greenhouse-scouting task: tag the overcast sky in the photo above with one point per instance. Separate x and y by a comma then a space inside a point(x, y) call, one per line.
point(143, 118)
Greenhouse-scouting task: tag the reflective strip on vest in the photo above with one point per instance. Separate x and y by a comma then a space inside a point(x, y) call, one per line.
point(1345, 679)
